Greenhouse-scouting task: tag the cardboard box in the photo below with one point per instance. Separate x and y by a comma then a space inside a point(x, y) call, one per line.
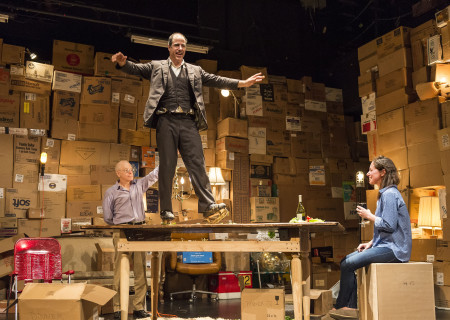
point(232, 128)
point(400, 58)
point(27, 149)
point(12, 54)
point(423, 153)
point(73, 57)
point(395, 80)
point(103, 65)
point(31, 86)
point(224, 159)
point(259, 158)
point(127, 117)
point(232, 144)
point(65, 81)
point(422, 110)
point(7, 160)
point(367, 50)
point(64, 128)
point(99, 133)
point(425, 175)
point(91, 209)
point(369, 64)
point(392, 140)
point(396, 290)
point(83, 153)
point(128, 86)
point(9, 110)
point(422, 131)
point(394, 100)
point(120, 152)
point(262, 304)
point(34, 111)
point(39, 71)
point(95, 114)
point(103, 174)
point(442, 296)
point(53, 204)
point(392, 41)
point(423, 250)
point(390, 121)
point(25, 175)
point(40, 227)
point(96, 90)
point(133, 137)
point(84, 193)
point(265, 209)
point(72, 301)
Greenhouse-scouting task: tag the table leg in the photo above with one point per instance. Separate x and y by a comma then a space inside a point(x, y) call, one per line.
point(124, 284)
point(155, 284)
point(306, 277)
point(297, 291)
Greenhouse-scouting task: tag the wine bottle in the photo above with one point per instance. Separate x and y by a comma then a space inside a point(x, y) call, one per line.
point(301, 212)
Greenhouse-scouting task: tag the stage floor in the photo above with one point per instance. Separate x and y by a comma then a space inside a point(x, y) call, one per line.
point(226, 309)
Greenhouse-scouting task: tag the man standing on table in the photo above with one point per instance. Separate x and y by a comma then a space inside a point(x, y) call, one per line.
point(123, 204)
point(175, 108)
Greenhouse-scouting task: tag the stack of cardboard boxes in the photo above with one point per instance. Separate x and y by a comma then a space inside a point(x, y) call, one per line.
point(412, 129)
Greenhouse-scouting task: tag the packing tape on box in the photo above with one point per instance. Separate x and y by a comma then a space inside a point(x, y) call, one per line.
point(427, 90)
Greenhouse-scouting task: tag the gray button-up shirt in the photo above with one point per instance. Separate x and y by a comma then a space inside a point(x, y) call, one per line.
point(122, 206)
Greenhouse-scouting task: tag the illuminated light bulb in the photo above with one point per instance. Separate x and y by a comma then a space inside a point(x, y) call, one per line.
point(225, 92)
point(182, 180)
point(43, 157)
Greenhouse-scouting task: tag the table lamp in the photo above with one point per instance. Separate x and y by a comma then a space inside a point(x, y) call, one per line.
point(429, 214)
point(216, 178)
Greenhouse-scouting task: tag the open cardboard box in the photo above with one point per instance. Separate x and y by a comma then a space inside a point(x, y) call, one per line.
point(74, 301)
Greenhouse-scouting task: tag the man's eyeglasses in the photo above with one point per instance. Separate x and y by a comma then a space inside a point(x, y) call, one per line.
point(127, 170)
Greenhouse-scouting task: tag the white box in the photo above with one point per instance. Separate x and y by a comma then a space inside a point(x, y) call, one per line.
point(39, 71)
point(293, 123)
point(53, 182)
point(368, 103)
point(66, 81)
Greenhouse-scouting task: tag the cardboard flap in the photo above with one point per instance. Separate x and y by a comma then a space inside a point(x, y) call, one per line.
point(52, 291)
point(97, 294)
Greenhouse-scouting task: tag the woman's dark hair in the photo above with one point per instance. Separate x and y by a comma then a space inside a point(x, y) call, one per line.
point(391, 177)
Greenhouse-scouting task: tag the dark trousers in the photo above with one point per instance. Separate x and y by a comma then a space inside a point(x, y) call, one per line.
point(179, 132)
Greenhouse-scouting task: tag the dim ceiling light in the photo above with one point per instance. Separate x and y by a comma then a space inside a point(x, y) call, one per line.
point(164, 44)
point(4, 18)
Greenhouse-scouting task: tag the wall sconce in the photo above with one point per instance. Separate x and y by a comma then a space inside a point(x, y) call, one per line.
point(429, 214)
point(31, 54)
point(226, 93)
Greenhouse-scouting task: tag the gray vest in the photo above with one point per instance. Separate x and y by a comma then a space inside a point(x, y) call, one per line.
point(178, 92)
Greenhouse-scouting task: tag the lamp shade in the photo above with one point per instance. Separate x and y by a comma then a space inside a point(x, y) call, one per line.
point(215, 177)
point(429, 212)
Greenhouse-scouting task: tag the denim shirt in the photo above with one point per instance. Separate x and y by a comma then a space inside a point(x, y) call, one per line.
point(392, 226)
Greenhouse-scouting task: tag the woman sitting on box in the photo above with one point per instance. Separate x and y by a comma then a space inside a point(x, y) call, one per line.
point(391, 241)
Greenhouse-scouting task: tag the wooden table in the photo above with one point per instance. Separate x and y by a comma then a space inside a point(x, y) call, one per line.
point(294, 238)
